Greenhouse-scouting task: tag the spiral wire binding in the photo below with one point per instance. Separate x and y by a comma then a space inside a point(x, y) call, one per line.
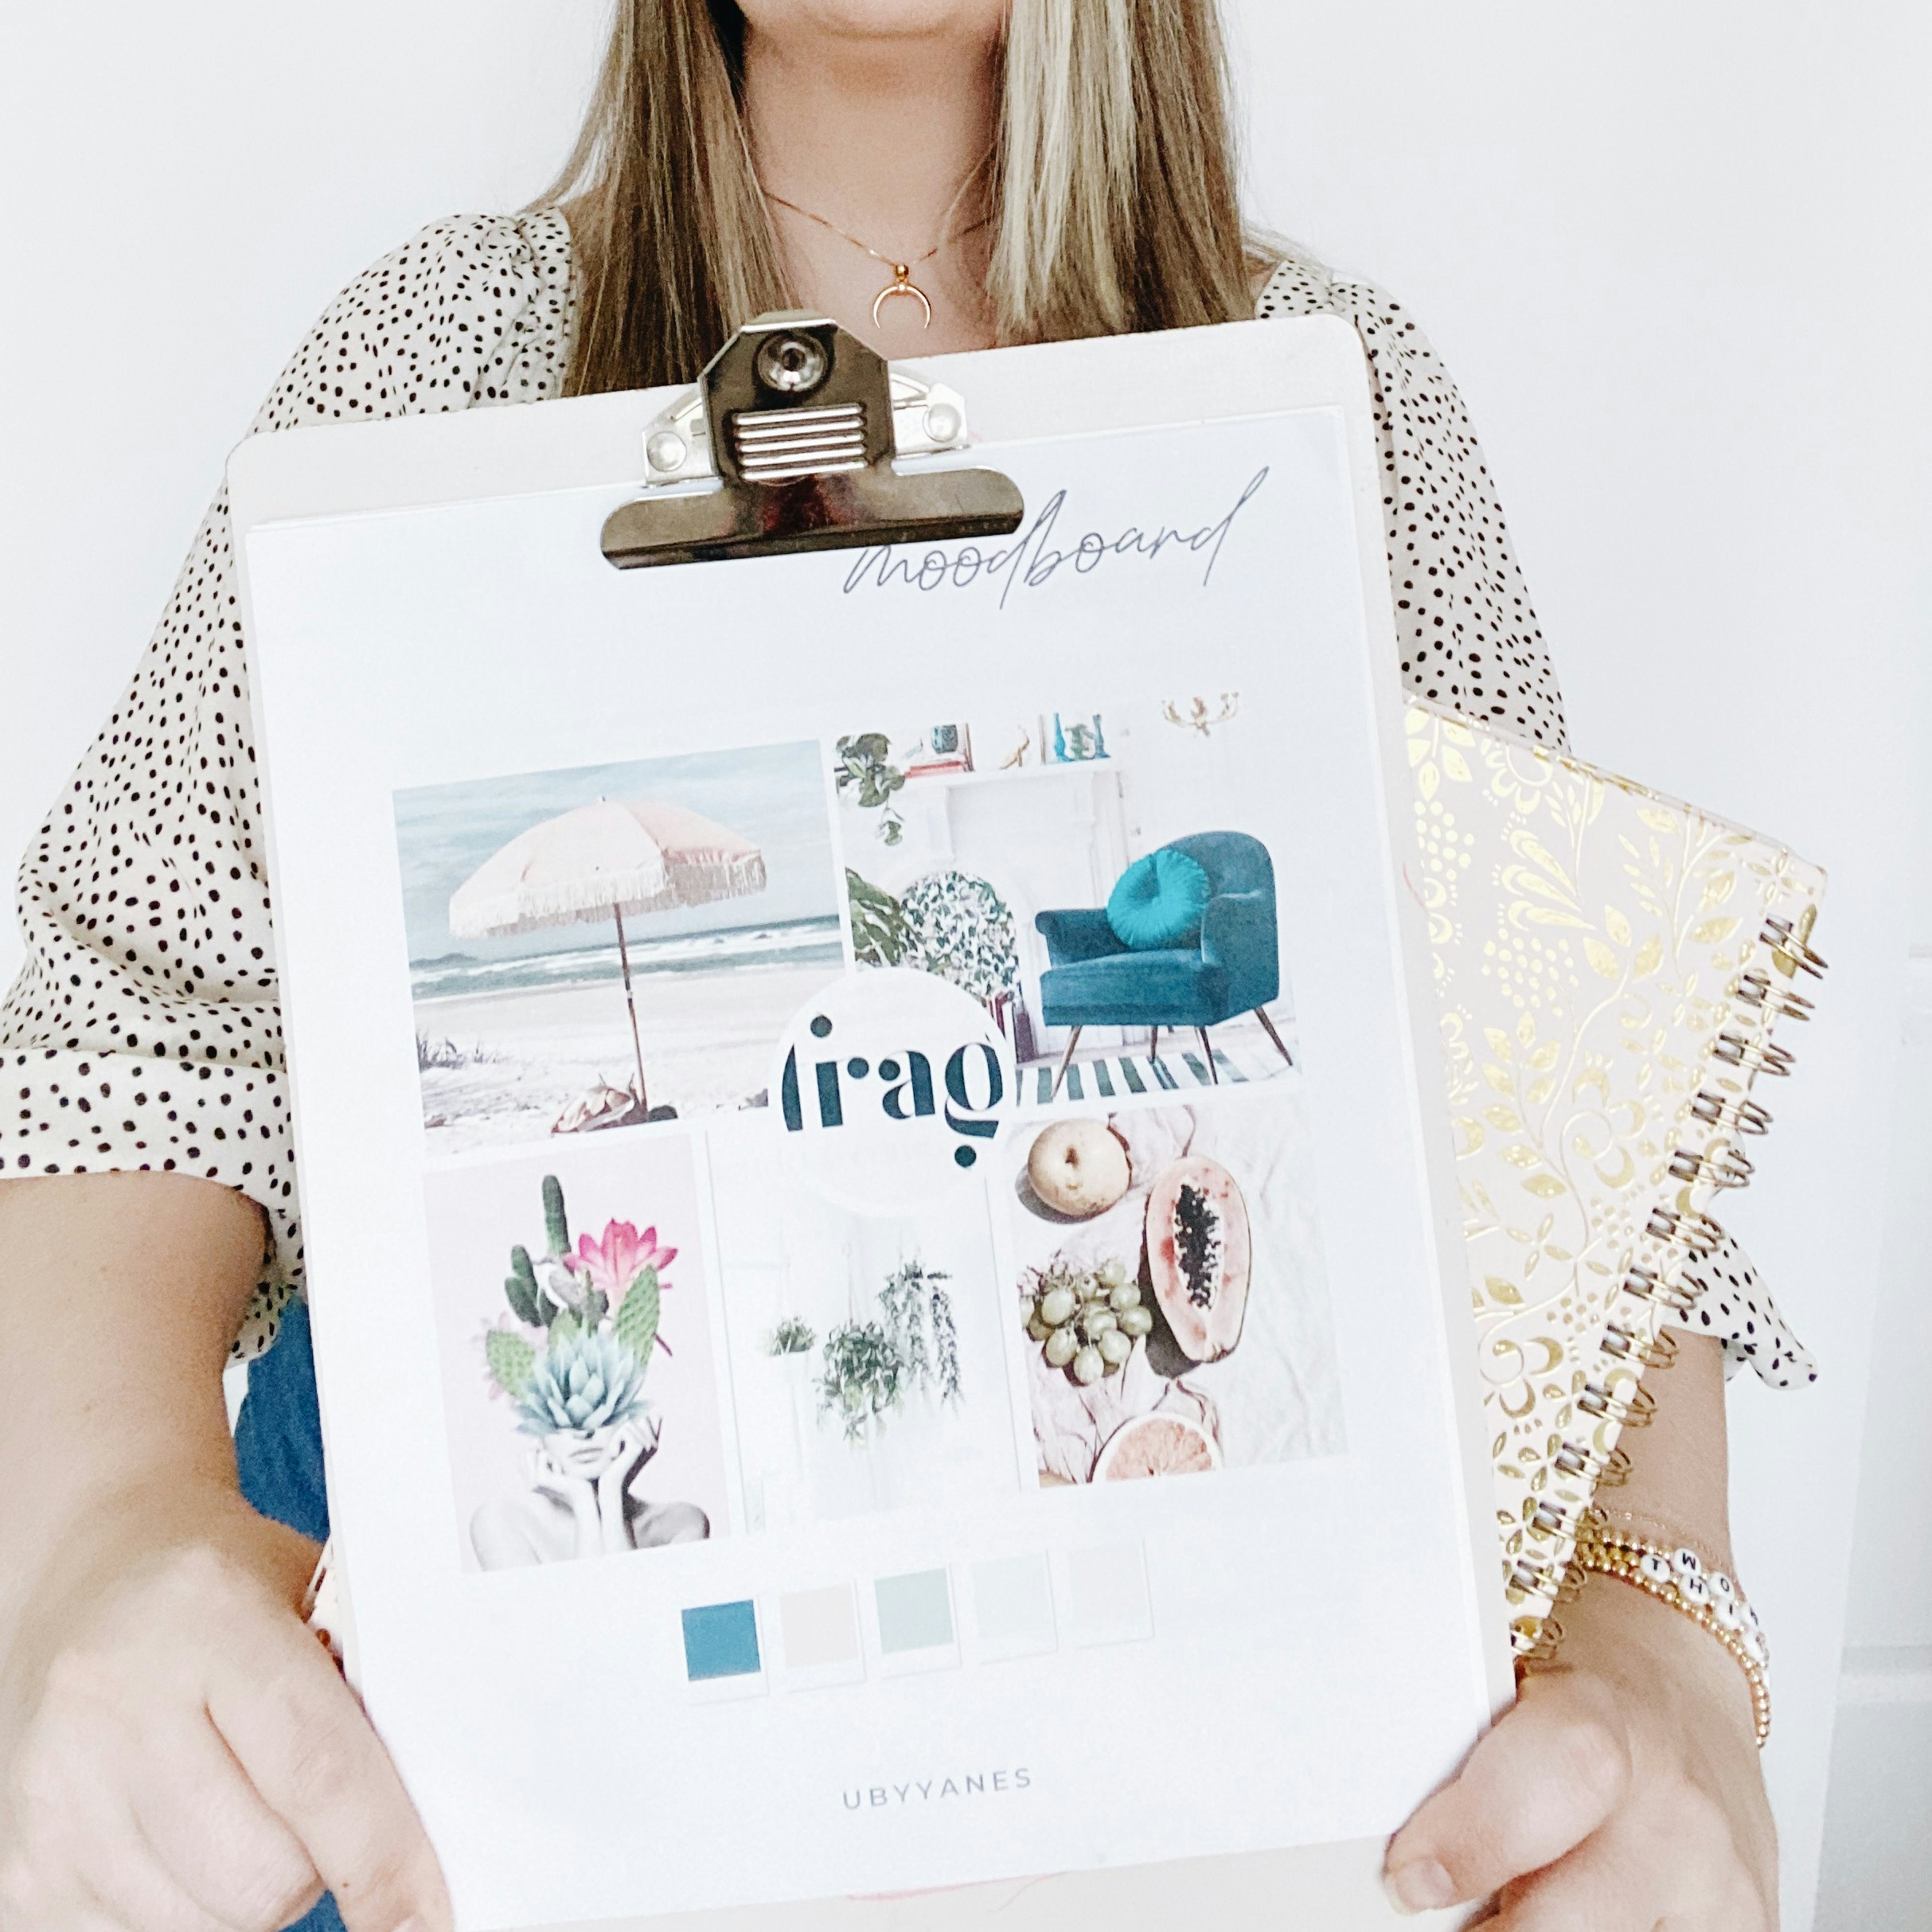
point(1632, 1342)
point(1742, 1114)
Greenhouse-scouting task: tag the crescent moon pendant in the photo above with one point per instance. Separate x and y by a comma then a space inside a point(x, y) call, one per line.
point(902, 285)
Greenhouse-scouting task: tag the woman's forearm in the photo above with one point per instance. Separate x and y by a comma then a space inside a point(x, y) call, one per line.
point(1678, 1489)
point(119, 1296)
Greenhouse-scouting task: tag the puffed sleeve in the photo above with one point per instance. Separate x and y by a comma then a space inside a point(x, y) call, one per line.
point(1469, 639)
point(142, 1031)
point(1468, 634)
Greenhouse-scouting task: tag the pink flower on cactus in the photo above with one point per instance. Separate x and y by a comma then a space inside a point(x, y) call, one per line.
point(614, 1262)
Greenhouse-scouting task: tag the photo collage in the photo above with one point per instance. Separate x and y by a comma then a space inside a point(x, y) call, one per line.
point(659, 1326)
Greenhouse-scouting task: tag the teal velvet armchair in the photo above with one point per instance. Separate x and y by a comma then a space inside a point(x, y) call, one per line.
point(1230, 967)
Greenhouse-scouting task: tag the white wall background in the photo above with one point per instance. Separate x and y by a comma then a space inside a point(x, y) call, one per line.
point(1676, 257)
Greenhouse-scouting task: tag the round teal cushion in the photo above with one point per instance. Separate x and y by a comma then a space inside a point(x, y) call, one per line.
point(1159, 901)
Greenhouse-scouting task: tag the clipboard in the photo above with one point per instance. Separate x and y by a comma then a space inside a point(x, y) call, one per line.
point(930, 459)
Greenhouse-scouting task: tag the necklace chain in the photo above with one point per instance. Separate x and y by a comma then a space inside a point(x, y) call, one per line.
point(893, 262)
point(902, 283)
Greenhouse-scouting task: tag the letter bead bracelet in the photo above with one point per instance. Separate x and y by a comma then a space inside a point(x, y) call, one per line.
point(1703, 1593)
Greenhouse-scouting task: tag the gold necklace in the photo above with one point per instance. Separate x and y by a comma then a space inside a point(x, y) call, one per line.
point(902, 283)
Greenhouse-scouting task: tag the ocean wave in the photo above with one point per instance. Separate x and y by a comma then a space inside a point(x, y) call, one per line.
point(797, 943)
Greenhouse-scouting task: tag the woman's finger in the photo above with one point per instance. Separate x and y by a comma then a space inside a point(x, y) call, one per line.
point(1549, 1774)
point(90, 1862)
point(298, 1731)
point(209, 1825)
point(135, 1890)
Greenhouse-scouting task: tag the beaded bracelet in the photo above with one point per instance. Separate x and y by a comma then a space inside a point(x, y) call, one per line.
point(1707, 1596)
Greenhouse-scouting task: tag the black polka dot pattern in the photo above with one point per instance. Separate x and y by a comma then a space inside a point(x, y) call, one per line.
point(143, 1031)
point(1468, 636)
point(1735, 1309)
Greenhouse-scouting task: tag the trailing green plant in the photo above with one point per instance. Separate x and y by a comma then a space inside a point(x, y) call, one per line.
point(863, 1377)
point(918, 1309)
point(865, 768)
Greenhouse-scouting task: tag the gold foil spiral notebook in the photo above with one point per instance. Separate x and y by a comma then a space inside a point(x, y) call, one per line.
point(1611, 965)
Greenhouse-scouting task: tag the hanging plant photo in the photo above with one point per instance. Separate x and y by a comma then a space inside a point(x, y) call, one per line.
point(869, 1362)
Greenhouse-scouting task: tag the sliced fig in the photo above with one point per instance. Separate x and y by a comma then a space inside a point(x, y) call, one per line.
point(1199, 1256)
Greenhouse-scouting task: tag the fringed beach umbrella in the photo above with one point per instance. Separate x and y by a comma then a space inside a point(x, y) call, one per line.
point(601, 861)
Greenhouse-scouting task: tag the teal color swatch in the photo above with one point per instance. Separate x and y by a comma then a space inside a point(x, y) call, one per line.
point(915, 1611)
point(721, 1641)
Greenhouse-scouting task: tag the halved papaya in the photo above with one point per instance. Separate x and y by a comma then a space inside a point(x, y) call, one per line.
point(1199, 1255)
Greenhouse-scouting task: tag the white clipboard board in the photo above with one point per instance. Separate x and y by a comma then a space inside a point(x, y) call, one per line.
point(395, 580)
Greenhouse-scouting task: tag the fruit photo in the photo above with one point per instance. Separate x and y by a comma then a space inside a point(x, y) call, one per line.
point(1170, 1293)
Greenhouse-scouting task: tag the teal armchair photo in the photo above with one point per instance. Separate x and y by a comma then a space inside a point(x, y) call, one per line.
point(1228, 965)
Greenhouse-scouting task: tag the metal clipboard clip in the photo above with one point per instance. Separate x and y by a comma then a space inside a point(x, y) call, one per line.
point(795, 425)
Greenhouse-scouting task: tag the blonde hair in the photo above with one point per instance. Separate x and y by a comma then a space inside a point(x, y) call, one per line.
point(1113, 186)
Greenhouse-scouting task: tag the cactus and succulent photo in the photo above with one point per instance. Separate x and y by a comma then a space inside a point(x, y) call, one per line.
point(582, 1325)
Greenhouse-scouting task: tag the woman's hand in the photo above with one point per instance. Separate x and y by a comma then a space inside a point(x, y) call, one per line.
point(178, 1752)
point(1622, 1794)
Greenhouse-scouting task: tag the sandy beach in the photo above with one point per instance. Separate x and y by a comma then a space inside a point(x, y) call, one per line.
point(525, 1055)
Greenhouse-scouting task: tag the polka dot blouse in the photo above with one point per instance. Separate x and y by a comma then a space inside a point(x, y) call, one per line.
point(143, 1032)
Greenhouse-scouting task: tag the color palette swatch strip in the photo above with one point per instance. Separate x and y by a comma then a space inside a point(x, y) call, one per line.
point(1018, 1608)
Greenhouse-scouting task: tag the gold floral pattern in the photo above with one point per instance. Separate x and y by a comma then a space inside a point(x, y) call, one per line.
point(1590, 941)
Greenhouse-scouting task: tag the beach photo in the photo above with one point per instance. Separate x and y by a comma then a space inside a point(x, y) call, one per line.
point(574, 1317)
point(613, 944)
point(1094, 878)
point(1169, 1290)
point(868, 1368)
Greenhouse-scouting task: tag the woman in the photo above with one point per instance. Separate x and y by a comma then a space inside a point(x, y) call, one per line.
point(178, 1753)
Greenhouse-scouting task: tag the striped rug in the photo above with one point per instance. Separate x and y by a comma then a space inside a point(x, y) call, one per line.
point(1116, 1076)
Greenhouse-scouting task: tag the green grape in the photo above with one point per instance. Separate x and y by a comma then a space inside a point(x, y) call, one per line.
point(1136, 1322)
point(1062, 1344)
point(1123, 1297)
point(1037, 1329)
point(1089, 1365)
point(1097, 1322)
point(1114, 1349)
point(1112, 1273)
point(1057, 1304)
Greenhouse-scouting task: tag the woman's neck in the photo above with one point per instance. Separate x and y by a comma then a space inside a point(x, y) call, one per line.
point(888, 139)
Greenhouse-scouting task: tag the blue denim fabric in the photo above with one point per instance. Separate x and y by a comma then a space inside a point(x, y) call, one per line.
point(278, 1445)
